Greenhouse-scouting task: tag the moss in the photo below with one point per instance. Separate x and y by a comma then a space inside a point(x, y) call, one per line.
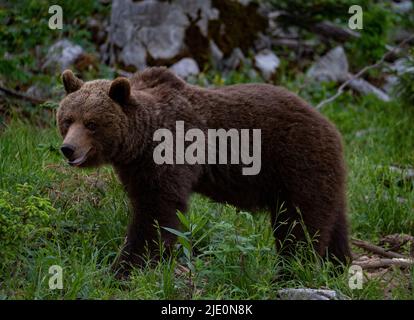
point(197, 44)
point(237, 25)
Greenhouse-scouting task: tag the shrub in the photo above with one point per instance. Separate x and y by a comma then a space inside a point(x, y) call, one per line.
point(24, 217)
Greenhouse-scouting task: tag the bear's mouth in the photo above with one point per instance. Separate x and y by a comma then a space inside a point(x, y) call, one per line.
point(80, 160)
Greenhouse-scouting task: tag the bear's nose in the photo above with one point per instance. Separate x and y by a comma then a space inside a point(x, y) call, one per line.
point(67, 150)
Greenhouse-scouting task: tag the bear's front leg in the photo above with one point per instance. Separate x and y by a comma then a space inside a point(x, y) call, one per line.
point(151, 212)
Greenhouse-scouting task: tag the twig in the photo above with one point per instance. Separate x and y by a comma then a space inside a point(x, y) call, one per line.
point(331, 30)
point(362, 71)
point(21, 96)
point(376, 249)
point(384, 263)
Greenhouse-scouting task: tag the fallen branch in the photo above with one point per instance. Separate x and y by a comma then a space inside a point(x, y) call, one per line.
point(21, 96)
point(333, 31)
point(294, 44)
point(326, 29)
point(362, 71)
point(384, 263)
point(376, 249)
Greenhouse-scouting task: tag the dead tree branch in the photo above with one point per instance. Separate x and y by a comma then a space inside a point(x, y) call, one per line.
point(21, 96)
point(333, 31)
point(376, 249)
point(362, 71)
point(384, 263)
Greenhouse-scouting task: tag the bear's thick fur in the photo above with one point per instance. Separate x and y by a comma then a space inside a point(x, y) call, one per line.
point(302, 163)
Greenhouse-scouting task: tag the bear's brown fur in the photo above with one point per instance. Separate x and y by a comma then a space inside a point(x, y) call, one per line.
point(302, 165)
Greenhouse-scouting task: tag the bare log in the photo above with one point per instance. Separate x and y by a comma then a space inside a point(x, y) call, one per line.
point(326, 29)
point(294, 44)
point(376, 249)
point(21, 96)
point(384, 263)
point(333, 31)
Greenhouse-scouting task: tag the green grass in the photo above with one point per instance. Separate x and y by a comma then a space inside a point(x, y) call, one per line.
point(236, 257)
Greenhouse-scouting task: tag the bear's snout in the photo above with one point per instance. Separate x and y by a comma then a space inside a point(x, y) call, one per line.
point(67, 150)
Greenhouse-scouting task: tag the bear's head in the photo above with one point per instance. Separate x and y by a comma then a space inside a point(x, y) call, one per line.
point(92, 120)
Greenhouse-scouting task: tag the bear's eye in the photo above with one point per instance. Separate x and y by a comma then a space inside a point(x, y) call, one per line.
point(91, 125)
point(66, 123)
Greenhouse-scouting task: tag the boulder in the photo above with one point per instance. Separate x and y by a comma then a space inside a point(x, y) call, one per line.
point(397, 68)
point(185, 68)
point(309, 294)
point(155, 29)
point(267, 63)
point(61, 55)
point(38, 91)
point(333, 66)
point(402, 7)
point(157, 32)
point(216, 55)
point(364, 87)
point(235, 60)
point(401, 66)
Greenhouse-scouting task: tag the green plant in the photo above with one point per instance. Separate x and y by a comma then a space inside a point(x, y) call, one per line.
point(404, 89)
point(189, 239)
point(25, 36)
point(24, 215)
point(371, 45)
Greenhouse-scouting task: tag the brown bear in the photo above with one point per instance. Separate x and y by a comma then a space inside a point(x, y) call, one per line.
point(302, 171)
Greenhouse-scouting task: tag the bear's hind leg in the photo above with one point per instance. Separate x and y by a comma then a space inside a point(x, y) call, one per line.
point(285, 229)
point(338, 244)
point(291, 225)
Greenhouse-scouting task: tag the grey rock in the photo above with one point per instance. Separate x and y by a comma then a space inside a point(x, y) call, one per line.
point(405, 173)
point(401, 66)
point(61, 55)
point(331, 67)
point(390, 83)
point(216, 55)
point(334, 67)
point(253, 74)
point(267, 63)
point(157, 26)
point(364, 87)
point(262, 42)
point(309, 294)
point(185, 68)
point(38, 91)
point(235, 60)
point(397, 68)
point(402, 7)
point(134, 54)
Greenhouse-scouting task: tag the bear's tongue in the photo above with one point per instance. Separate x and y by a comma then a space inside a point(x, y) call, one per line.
point(79, 160)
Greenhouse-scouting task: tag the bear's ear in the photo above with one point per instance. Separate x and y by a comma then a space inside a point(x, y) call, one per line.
point(70, 81)
point(120, 90)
